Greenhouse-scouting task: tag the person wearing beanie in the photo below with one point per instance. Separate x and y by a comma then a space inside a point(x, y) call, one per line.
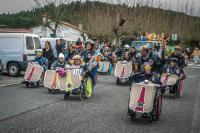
point(60, 63)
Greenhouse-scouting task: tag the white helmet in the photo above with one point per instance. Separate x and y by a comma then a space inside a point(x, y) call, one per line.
point(39, 50)
point(126, 46)
point(61, 56)
point(90, 41)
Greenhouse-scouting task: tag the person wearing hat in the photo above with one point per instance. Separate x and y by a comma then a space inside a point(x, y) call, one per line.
point(77, 61)
point(121, 51)
point(107, 54)
point(71, 52)
point(104, 46)
point(89, 52)
point(173, 68)
point(150, 59)
point(40, 59)
point(87, 56)
point(151, 67)
point(177, 54)
point(79, 45)
point(60, 63)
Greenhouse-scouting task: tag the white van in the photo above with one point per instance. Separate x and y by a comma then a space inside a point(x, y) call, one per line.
point(16, 49)
point(53, 43)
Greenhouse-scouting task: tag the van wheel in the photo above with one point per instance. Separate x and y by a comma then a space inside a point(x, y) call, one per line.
point(13, 69)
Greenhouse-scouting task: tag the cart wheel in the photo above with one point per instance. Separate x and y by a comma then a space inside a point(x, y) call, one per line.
point(118, 81)
point(158, 107)
point(133, 118)
point(67, 94)
point(52, 91)
point(27, 84)
point(151, 118)
point(178, 90)
point(81, 97)
point(37, 84)
point(88, 88)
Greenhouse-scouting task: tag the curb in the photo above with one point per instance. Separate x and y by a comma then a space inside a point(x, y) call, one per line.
point(11, 84)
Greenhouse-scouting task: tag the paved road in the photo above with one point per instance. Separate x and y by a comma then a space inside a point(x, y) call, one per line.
point(25, 110)
point(5, 79)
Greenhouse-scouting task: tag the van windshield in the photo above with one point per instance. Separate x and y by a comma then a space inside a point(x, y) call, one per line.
point(29, 43)
point(37, 43)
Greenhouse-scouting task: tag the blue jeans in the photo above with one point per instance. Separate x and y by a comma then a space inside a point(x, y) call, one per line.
point(93, 73)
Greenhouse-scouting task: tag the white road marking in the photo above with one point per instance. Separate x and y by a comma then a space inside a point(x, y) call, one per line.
point(10, 84)
point(193, 66)
point(192, 76)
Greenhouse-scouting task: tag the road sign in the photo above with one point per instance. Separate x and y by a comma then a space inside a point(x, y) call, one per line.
point(174, 37)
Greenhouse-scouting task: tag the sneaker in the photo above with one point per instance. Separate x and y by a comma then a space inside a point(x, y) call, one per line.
point(67, 95)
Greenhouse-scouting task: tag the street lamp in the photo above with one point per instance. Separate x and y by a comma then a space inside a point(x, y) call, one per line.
point(45, 20)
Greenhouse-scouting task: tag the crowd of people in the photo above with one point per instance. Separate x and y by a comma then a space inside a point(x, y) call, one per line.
point(149, 64)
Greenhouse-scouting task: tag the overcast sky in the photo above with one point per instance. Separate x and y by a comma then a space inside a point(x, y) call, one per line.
point(13, 6)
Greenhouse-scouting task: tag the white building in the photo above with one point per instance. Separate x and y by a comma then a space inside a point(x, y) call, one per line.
point(65, 30)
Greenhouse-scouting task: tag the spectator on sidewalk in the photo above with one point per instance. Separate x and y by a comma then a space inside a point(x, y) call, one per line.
point(58, 47)
point(48, 53)
point(79, 45)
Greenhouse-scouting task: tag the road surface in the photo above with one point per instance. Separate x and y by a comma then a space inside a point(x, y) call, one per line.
point(34, 110)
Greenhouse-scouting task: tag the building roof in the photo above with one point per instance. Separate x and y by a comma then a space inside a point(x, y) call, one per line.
point(72, 26)
point(9, 30)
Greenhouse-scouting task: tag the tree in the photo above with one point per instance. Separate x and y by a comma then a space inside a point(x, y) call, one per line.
point(53, 12)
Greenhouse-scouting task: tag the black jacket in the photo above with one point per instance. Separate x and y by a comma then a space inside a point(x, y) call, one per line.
point(58, 49)
point(49, 55)
point(181, 60)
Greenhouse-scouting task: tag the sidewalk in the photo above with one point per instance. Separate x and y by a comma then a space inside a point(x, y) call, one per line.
point(7, 80)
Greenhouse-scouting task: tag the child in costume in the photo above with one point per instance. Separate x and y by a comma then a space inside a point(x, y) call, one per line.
point(60, 63)
point(173, 68)
point(88, 56)
point(40, 59)
point(77, 63)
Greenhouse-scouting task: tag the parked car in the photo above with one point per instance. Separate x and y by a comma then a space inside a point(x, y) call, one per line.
point(16, 49)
